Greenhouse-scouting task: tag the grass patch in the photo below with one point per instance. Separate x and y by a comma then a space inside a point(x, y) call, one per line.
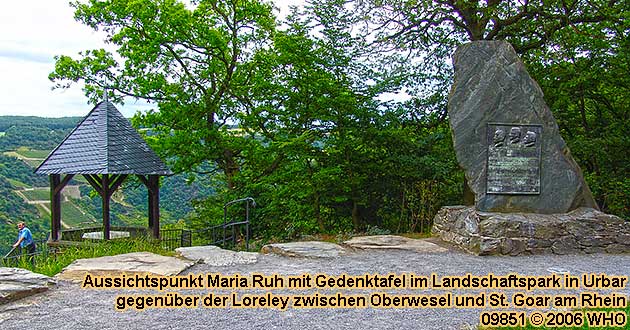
point(43, 213)
point(75, 217)
point(37, 194)
point(52, 264)
point(17, 183)
point(13, 154)
point(32, 153)
point(416, 235)
point(34, 163)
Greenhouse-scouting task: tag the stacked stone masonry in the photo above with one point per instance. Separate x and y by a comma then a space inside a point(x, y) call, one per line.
point(584, 230)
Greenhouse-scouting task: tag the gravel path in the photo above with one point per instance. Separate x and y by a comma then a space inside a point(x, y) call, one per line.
point(67, 306)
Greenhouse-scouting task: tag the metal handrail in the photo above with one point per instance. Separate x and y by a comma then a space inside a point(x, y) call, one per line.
point(16, 253)
point(42, 247)
point(211, 235)
point(247, 201)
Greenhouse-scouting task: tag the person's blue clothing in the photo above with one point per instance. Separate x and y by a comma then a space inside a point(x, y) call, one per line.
point(28, 237)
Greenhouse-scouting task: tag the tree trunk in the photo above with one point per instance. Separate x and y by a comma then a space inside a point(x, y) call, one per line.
point(318, 215)
point(230, 168)
point(356, 218)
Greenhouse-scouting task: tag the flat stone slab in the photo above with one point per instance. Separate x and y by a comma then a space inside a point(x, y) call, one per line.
point(394, 242)
point(310, 249)
point(216, 256)
point(137, 262)
point(16, 283)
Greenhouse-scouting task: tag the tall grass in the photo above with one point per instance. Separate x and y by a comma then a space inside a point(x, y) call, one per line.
point(53, 263)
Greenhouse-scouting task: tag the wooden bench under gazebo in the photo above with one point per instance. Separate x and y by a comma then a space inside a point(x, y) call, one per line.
point(105, 149)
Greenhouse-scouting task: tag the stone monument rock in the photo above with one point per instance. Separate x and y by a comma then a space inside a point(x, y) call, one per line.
point(529, 193)
point(506, 138)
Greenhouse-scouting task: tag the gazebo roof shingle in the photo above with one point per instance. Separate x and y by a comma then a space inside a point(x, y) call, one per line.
point(104, 142)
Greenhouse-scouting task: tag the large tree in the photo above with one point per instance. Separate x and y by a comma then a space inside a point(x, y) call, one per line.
point(576, 49)
point(586, 83)
point(332, 155)
point(189, 60)
point(416, 38)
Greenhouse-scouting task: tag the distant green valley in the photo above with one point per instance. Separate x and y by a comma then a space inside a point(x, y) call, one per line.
point(26, 141)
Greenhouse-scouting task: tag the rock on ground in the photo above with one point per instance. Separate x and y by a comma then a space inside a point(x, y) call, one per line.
point(137, 262)
point(311, 249)
point(215, 256)
point(16, 283)
point(394, 242)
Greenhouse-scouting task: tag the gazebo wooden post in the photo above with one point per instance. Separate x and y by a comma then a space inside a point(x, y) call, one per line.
point(105, 186)
point(55, 207)
point(56, 186)
point(146, 183)
point(154, 204)
point(105, 197)
point(154, 181)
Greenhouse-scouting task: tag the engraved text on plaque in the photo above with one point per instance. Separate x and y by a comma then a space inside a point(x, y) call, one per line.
point(513, 159)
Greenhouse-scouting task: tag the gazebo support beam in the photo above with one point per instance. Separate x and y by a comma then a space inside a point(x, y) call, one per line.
point(154, 204)
point(105, 197)
point(56, 186)
point(94, 181)
point(116, 182)
point(152, 182)
point(105, 186)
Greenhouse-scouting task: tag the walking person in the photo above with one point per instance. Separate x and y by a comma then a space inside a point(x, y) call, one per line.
point(25, 239)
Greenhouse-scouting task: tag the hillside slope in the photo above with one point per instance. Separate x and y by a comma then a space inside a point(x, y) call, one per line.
point(26, 141)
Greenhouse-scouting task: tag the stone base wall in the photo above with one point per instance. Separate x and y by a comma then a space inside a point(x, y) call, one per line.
point(584, 230)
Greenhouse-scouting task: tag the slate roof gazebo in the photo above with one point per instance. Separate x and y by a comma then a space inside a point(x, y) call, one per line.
point(105, 149)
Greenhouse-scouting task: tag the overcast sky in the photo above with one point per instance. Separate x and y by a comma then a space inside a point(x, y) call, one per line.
point(33, 32)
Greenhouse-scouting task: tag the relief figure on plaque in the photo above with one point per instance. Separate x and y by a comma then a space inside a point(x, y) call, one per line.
point(498, 138)
point(530, 139)
point(515, 135)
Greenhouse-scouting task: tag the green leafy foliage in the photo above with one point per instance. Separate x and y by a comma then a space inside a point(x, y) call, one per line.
point(576, 50)
point(31, 136)
point(323, 156)
point(34, 132)
point(11, 167)
point(302, 117)
point(64, 123)
point(586, 85)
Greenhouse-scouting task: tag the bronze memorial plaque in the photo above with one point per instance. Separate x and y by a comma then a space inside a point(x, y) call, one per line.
point(513, 159)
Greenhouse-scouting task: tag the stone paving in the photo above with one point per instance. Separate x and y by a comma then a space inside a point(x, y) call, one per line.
point(215, 256)
point(67, 306)
point(137, 262)
point(310, 249)
point(395, 242)
point(16, 283)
